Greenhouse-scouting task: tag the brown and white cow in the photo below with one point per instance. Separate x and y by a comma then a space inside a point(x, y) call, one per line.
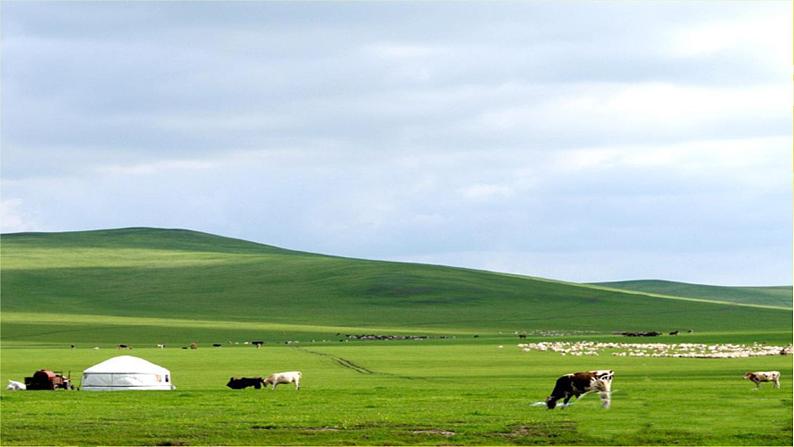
point(284, 377)
point(764, 376)
point(579, 383)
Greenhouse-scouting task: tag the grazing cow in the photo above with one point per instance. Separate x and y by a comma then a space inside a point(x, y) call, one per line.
point(13, 385)
point(284, 377)
point(764, 376)
point(579, 383)
point(244, 382)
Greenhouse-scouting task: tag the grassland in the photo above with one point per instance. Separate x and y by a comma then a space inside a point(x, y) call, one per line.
point(411, 394)
point(177, 274)
point(773, 295)
point(148, 286)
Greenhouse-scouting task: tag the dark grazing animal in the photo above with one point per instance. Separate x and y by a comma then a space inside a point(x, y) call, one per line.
point(578, 383)
point(244, 382)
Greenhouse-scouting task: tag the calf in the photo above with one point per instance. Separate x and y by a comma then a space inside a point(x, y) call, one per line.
point(13, 385)
point(763, 376)
point(284, 377)
point(244, 382)
point(579, 383)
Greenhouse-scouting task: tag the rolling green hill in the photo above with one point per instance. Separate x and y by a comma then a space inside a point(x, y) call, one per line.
point(772, 296)
point(154, 285)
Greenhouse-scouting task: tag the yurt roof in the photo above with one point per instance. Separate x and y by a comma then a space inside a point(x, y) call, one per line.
point(126, 364)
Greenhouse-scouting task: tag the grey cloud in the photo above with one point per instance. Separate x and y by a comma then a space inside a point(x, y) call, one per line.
point(113, 92)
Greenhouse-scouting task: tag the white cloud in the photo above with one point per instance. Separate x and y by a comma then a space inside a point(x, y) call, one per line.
point(482, 192)
point(641, 112)
point(14, 218)
point(400, 51)
point(745, 160)
point(156, 167)
point(769, 34)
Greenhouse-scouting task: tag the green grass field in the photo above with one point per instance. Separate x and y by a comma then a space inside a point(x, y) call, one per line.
point(414, 393)
point(147, 286)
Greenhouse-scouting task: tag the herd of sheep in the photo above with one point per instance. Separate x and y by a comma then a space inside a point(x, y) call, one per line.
point(682, 350)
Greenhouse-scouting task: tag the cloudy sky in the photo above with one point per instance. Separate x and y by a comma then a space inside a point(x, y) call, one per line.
point(583, 141)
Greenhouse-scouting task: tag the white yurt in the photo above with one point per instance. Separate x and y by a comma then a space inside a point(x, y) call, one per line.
point(126, 372)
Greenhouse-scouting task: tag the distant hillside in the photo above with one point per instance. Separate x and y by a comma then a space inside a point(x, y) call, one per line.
point(137, 238)
point(156, 284)
point(771, 296)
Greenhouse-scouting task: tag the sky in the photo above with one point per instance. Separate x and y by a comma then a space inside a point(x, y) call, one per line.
point(574, 140)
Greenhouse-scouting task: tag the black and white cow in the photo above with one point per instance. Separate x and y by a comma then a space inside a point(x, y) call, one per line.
point(579, 383)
